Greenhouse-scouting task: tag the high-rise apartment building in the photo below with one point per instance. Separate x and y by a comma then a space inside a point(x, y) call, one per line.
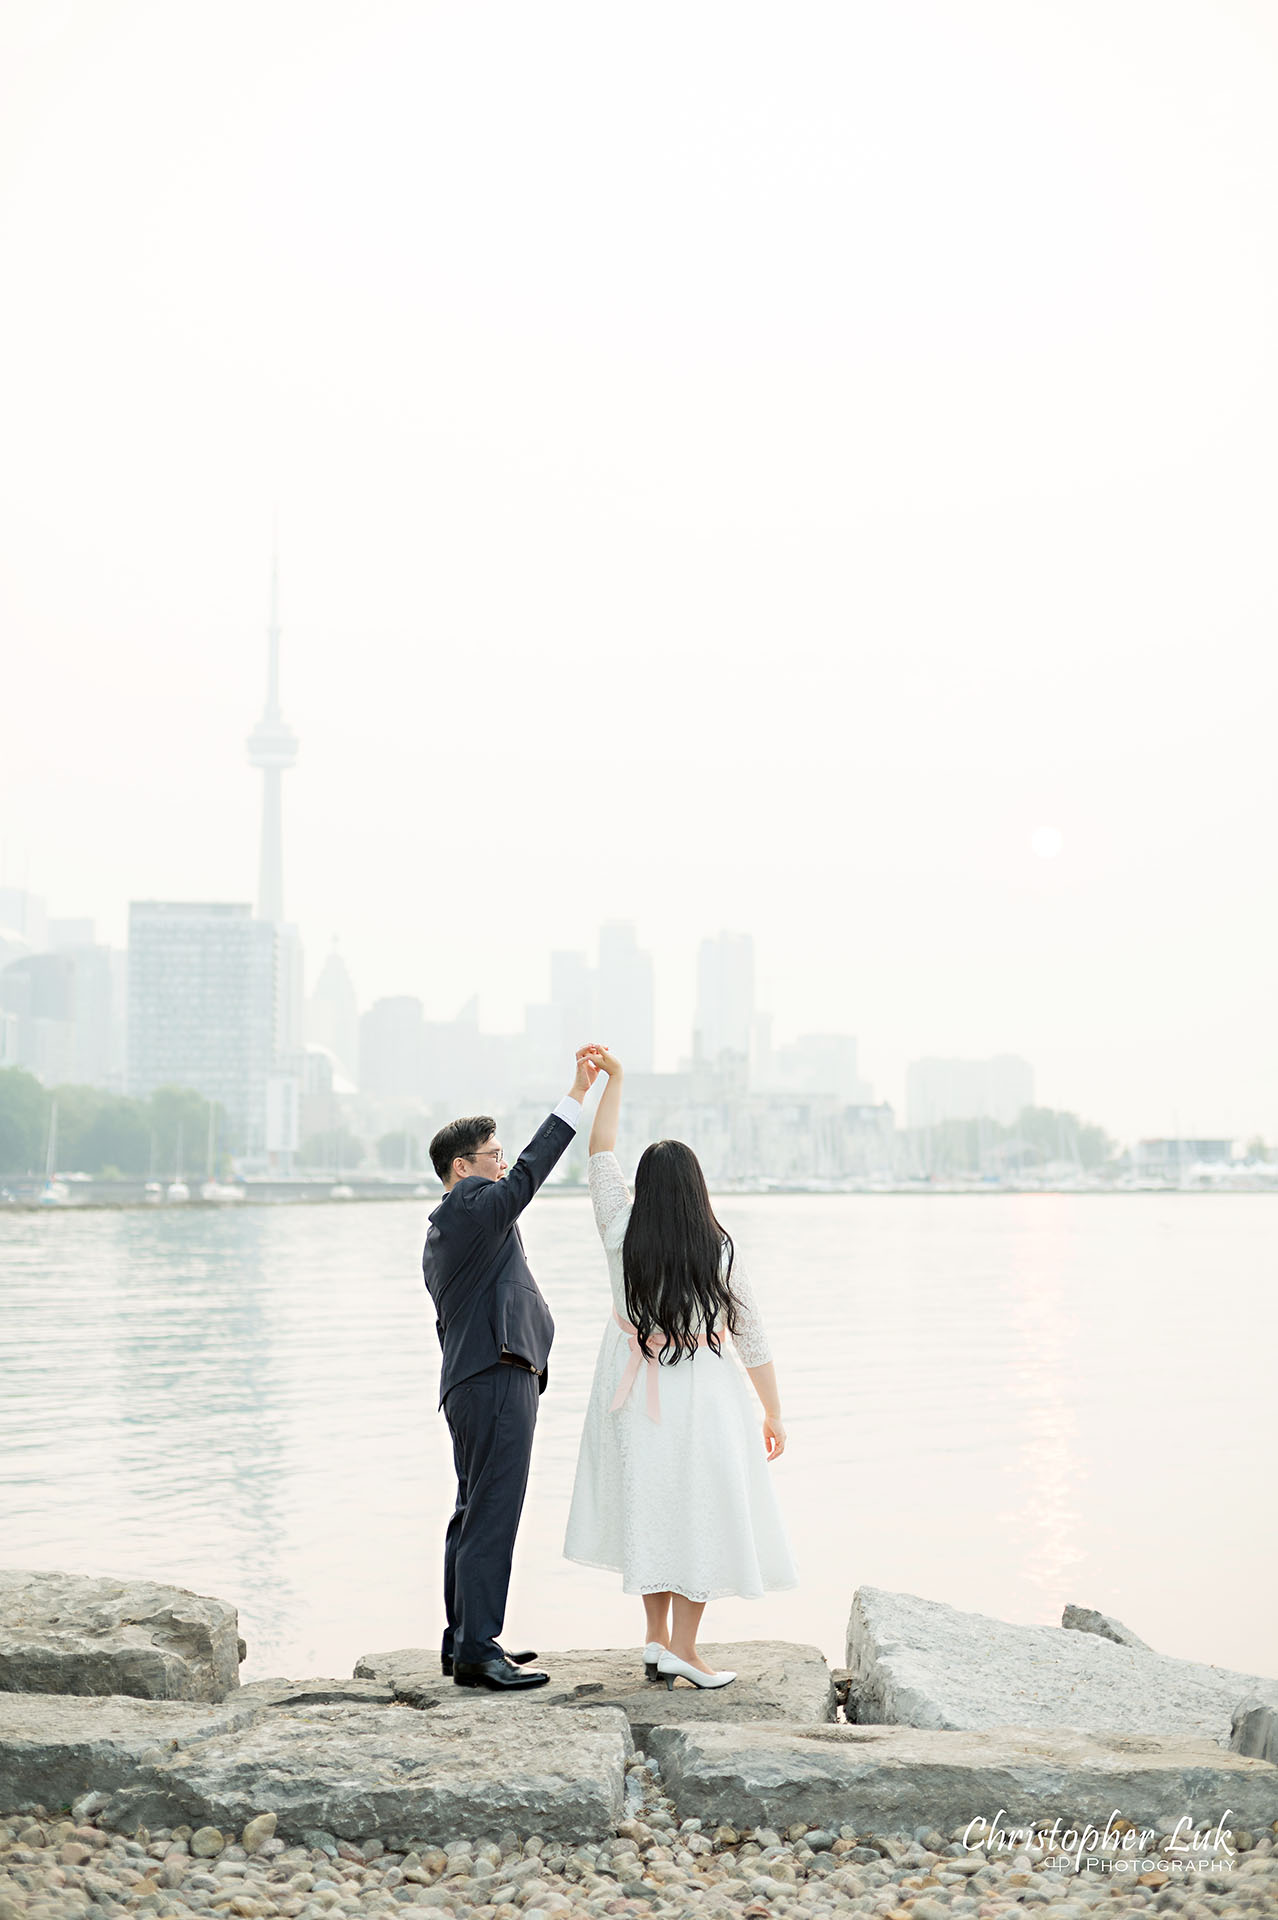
point(725, 996)
point(202, 1008)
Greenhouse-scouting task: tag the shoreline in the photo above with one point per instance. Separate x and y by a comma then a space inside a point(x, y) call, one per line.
point(805, 1792)
point(21, 1204)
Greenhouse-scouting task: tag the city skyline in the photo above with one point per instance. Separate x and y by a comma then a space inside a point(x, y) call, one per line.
point(333, 1015)
point(215, 1002)
point(862, 543)
point(191, 964)
point(188, 965)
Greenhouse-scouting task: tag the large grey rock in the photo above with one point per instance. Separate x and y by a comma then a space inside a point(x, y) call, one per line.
point(55, 1747)
point(776, 1680)
point(1255, 1729)
point(896, 1779)
point(330, 1754)
point(316, 1693)
point(76, 1633)
point(919, 1663)
point(1087, 1620)
point(474, 1765)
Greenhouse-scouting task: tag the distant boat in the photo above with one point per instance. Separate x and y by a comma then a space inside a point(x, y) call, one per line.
point(213, 1188)
point(177, 1188)
point(55, 1194)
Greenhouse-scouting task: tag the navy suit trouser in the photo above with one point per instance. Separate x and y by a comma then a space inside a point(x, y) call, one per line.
point(492, 1417)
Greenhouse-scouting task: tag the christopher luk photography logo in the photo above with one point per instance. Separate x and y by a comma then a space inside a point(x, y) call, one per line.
point(1118, 1847)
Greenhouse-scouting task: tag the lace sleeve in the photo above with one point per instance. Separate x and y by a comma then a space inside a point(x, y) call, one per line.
point(607, 1189)
point(750, 1338)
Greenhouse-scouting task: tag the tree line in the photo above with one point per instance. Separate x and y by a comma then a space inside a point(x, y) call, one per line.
point(116, 1134)
point(107, 1133)
point(1038, 1137)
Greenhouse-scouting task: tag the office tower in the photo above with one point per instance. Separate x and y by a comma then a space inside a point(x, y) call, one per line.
point(623, 1011)
point(572, 994)
point(332, 1015)
point(995, 1089)
point(391, 1036)
point(463, 1068)
point(202, 1008)
point(290, 998)
point(725, 997)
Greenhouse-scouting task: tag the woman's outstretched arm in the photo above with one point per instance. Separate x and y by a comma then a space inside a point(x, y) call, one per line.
point(603, 1129)
point(765, 1385)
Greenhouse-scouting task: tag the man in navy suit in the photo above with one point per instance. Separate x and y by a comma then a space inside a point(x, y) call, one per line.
point(495, 1330)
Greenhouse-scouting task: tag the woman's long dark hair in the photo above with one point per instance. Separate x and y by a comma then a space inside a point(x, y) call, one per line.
point(672, 1252)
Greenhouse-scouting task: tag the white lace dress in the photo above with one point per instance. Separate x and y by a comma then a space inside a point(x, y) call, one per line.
point(684, 1503)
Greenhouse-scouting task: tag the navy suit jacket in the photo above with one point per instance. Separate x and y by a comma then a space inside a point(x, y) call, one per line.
point(476, 1271)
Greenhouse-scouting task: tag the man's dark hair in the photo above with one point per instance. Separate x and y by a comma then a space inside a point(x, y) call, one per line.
point(459, 1137)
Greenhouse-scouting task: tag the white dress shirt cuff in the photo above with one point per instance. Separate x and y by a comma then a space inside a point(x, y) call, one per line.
point(569, 1110)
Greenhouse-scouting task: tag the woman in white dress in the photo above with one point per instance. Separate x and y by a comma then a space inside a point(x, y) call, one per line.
point(672, 1488)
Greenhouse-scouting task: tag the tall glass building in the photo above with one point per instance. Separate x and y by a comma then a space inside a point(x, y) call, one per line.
point(202, 1008)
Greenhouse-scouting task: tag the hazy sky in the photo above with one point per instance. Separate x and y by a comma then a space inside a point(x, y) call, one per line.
point(736, 466)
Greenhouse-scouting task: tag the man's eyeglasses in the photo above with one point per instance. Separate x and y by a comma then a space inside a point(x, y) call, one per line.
point(490, 1153)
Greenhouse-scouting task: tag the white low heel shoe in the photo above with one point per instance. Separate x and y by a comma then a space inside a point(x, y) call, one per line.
point(669, 1668)
point(651, 1654)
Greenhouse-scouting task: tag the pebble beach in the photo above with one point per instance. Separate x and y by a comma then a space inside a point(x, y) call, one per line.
point(61, 1863)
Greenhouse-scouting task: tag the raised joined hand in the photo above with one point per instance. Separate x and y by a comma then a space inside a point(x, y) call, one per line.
point(587, 1071)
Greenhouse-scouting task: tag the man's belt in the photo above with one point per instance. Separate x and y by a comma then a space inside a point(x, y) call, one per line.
point(517, 1360)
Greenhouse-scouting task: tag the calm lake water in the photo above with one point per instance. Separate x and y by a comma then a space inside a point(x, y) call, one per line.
point(1004, 1402)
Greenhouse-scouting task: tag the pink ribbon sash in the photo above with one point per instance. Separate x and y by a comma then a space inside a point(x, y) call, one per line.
point(653, 1398)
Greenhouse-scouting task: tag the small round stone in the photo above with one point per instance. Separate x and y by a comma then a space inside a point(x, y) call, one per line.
point(259, 1829)
point(205, 1842)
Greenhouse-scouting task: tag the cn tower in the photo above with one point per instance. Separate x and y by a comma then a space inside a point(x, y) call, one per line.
point(272, 746)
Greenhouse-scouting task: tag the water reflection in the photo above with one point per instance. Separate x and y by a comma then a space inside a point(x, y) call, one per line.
point(244, 1404)
point(1049, 1519)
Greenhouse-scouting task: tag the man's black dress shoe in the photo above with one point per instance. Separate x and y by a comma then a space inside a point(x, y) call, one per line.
point(499, 1676)
point(516, 1660)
